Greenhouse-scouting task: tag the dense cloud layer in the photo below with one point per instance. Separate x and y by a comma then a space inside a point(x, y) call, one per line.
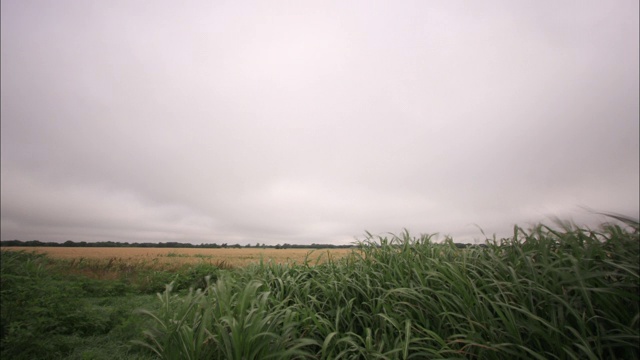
point(288, 122)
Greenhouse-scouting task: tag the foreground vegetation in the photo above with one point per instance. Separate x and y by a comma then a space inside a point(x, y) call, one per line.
point(541, 294)
point(52, 308)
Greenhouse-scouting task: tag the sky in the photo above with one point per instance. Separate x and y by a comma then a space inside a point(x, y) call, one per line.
point(306, 122)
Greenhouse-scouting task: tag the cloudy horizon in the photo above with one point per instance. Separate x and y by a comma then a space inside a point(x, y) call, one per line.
point(313, 122)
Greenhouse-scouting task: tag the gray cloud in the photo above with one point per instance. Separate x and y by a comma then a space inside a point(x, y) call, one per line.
point(288, 122)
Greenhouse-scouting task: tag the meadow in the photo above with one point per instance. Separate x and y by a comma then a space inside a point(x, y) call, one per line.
point(175, 258)
point(544, 293)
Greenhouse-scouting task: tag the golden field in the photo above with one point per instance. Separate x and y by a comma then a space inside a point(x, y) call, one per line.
point(176, 257)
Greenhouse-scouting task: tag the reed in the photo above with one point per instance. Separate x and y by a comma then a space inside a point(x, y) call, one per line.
point(544, 293)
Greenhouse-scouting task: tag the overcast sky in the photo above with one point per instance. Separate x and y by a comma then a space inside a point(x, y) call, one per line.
point(302, 122)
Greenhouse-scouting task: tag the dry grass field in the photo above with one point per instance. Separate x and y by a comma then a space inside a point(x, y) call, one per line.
point(176, 257)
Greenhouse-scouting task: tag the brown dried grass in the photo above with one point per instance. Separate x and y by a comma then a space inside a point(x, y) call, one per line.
point(177, 257)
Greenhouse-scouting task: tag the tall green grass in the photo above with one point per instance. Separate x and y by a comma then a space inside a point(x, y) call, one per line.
point(544, 293)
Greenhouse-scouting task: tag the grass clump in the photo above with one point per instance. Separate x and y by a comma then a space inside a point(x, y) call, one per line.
point(543, 293)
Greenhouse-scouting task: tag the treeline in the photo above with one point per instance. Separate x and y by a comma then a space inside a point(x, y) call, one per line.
point(69, 243)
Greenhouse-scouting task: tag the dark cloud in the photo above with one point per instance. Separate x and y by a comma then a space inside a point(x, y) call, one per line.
point(227, 122)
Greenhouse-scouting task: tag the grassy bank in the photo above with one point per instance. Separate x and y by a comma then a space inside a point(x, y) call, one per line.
point(543, 293)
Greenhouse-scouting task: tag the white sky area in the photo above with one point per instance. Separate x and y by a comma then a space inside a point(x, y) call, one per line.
point(314, 121)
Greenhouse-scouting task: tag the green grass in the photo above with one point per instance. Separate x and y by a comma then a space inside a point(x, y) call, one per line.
point(543, 293)
point(51, 309)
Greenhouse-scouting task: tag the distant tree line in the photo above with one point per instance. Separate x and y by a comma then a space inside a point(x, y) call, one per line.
point(69, 243)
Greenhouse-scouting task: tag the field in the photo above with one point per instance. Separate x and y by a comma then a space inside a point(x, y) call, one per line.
point(176, 257)
point(544, 293)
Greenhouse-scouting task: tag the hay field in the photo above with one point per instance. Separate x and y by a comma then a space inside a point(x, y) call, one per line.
point(163, 257)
